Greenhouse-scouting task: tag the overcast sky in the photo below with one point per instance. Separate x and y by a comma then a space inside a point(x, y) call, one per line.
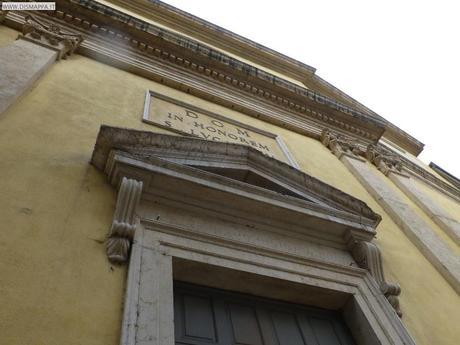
point(399, 58)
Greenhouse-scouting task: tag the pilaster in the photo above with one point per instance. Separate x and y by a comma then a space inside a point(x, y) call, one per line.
point(444, 220)
point(25, 60)
point(413, 225)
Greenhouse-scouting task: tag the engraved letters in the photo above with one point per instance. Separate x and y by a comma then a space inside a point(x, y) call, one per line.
point(186, 119)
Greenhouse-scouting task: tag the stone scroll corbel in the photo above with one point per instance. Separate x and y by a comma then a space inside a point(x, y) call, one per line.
point(367, 255)
point(124, 223)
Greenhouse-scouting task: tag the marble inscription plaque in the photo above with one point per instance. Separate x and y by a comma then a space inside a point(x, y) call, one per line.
point(188, 119)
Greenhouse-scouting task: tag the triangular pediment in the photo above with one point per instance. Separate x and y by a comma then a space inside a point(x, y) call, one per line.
point(239, 165)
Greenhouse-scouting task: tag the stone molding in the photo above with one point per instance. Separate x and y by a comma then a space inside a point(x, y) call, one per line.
point(136, 46)
point(449, 177)
point(124, 222)
point(368, 256)
point(222, 70)
point(50, 36)
point(245, 245)
point(437, 252)
point(371, 317)
point(240, 46)
point(129, 38)
point(220, 37)
point(147, 144)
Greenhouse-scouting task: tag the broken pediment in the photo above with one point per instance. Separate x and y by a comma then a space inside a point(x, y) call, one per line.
point(206, 173)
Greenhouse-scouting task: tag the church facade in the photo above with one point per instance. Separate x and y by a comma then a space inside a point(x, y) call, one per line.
point(165, 181)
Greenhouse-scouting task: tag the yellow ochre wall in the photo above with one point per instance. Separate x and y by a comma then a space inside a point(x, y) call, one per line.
point(450, 205)
point(57, 286)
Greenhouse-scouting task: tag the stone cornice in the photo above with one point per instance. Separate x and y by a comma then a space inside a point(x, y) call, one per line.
point(228, 41)
point(449, 177)
point(403, 139)
point(127, 37)
point(219, 37)
point(149, 143)
point(118, 39)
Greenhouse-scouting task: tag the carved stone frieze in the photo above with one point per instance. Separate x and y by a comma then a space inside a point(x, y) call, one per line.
point(341, 145)
point(124, 224)
point(368, 256)
point(50, 36)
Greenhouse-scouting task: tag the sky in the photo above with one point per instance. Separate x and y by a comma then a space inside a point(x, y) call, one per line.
point(399, 58)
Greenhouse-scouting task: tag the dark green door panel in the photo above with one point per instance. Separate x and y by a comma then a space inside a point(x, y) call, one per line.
point(209, 316)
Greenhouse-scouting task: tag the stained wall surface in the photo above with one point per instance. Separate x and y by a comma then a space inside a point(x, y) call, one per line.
point(57, 284)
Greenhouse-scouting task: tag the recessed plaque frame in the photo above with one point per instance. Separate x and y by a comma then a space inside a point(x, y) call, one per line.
point(189, 120)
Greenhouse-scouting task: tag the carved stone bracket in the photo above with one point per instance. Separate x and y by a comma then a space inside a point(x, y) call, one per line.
point(124, 224)
point(384, 161)
point(368, 256)
point(50, 36)
point(341, 145)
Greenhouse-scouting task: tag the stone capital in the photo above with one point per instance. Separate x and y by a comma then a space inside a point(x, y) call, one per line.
point(340, 145)
point(384, 161)
point(50, 36)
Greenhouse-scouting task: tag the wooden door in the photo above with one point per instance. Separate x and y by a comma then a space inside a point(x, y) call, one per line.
point(205, 316)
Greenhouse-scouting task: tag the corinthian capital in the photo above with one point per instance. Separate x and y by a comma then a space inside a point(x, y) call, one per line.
point(383, 160)
point(50, 36)
point(341, 145)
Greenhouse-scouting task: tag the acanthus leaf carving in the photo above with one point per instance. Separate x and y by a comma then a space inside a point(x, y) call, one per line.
point(384, 161)
point(50, 36)
point(368, 256)
point(341, 145)
point(124, 222)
